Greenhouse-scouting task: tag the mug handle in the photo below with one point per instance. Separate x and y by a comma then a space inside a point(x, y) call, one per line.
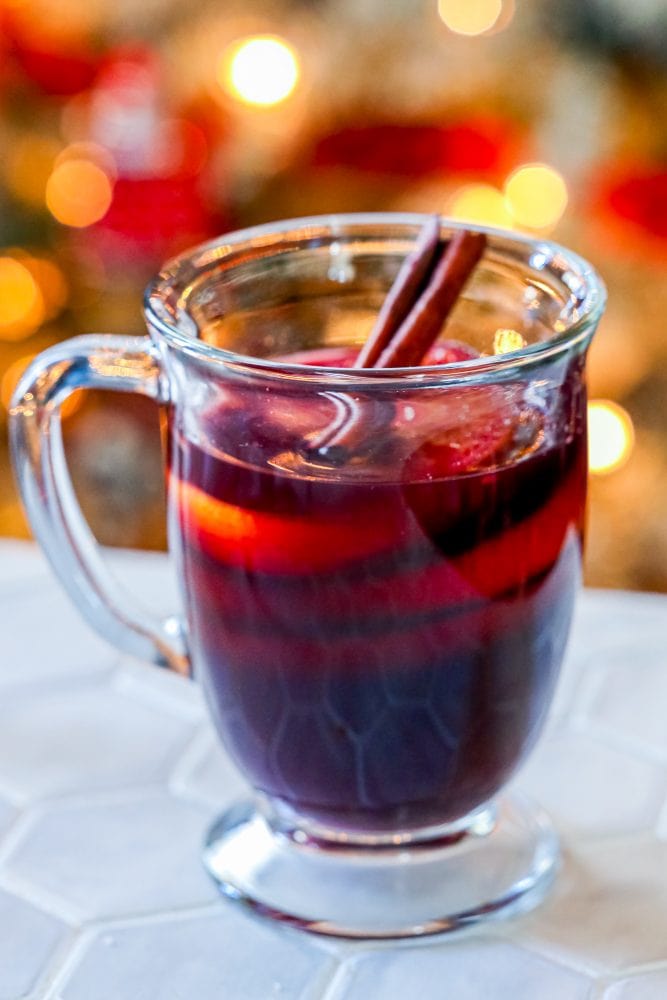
point(96, 361)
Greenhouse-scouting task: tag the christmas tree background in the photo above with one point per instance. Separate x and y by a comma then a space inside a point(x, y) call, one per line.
point(131, 131)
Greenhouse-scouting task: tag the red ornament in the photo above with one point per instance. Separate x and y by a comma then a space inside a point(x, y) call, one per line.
point(57, 63)
point(151, 218)
point(631, 207)
point(481, 146)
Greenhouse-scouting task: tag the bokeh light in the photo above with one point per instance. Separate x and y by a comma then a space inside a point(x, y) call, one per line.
point(262, 70)
point(480, 203)
point(610, 436)
point(536, 195)
point(51, 281)
point(21, 302)
point(78, 192)
point(470, 17)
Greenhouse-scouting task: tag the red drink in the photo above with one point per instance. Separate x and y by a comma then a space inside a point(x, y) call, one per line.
point(379, 637)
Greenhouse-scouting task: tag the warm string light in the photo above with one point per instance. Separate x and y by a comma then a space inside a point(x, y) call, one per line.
point(32, 290)
point(470, 17)
point(610, 436)
point(51, 282)
point(480, 203)
point(78, 193)
point(21, 301)
point(261, 70)
point(534, 196)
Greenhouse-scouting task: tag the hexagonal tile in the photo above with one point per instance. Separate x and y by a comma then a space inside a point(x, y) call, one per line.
point(22, 563)
point(160, 688)
point(45, 637)
point(206, 772)
point(630, 696)
point(608, 909)
point(134, 854)
point(207, 957)
point(569, 774)
point(464, 969)
point(649, 986)
point(27, 943)
point(149, 576)
point(75, 737)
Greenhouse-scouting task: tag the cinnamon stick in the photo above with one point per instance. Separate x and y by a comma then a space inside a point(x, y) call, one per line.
point(425, 320)
point(410, 282)
point(418, 304)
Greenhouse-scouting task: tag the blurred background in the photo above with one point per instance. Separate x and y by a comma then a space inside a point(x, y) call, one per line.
point(130, 131)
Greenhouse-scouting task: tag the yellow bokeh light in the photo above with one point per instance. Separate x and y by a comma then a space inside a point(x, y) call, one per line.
point(480, 203)
point(51, 282)
point(610, 436)
point(507, 340)
point(470, 17)
point(21, 302)
point(536, 195)
point(78, 192)
point(262, 70)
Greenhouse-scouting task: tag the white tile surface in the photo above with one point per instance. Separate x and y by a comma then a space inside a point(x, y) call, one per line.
point(28, 939)
point(110, 775)
point(207, 773)
point(7, 815)
point(208, 957)
point(608, 910)
point(629, 695)
point(78, 737)
point(43, 637)
point(153, 685)
point(650, 986)
point(569, 774)
point(20, 563)
point(469, 970)
point(117, 858)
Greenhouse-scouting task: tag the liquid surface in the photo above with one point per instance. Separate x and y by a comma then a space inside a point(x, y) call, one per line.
point(378, 630)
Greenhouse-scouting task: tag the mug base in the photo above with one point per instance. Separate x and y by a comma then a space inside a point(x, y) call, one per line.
point(501, 864)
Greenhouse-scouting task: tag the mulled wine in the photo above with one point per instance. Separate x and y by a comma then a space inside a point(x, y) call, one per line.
point(378, 630)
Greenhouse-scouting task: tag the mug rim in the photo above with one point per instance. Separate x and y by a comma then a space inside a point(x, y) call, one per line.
point(198, 257)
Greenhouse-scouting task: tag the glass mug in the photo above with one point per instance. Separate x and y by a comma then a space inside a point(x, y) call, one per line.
point(377, 626)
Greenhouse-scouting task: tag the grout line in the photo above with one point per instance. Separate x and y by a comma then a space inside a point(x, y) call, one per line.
point(607, 735)
point(187, 911)
point(320, 988)
point(41, 899)
point(340, 980)
point(60, 959)
point(14, 834)
point(59, 976)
